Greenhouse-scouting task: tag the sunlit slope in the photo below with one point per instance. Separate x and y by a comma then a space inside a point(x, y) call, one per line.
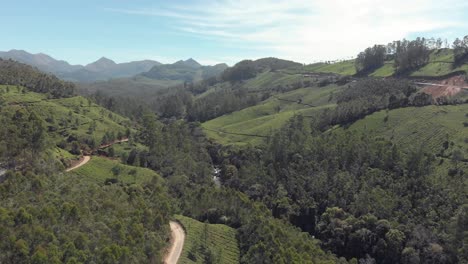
point(250, 125)
point(342, 68)
point(440, 64)
point(100, 169)
point(429, 126)
point(208, 241)
point(268, 81)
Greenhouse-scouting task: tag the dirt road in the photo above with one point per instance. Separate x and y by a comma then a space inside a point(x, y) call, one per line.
point(81, 163)
point(87, 158)
point(444, 88)
point(178, 238)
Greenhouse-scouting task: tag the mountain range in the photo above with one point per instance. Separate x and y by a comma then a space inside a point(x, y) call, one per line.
point(105, 69)
point(188, 70)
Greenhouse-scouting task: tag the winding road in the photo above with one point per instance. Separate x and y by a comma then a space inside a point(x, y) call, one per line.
point(178, 238)
point(88, 158)
point(177, 231)
point(79, 164)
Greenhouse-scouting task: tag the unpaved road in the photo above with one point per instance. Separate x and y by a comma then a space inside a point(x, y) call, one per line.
point(178, 238)
point(444, 88)
point(87, 158)
point(81, 163)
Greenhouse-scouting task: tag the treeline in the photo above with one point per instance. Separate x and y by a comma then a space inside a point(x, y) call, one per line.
point(19, 74)
point(408, 55)
point(370, 59)
point(364, 198)
point(370, 95)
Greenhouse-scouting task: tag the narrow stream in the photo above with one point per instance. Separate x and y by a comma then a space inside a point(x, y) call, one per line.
point(216, 173)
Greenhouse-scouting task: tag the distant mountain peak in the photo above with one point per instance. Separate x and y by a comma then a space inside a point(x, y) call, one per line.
point(191, 60)
point(105, 60)
point(189, 63)
point(102, 64)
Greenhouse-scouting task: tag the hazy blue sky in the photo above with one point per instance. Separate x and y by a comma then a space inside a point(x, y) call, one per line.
point(221, 31)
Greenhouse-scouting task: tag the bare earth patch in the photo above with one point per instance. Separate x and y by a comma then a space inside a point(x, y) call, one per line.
point(445, 88)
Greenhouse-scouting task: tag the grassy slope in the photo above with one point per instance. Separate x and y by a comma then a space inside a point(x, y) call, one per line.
point(99, 169)
point(65, 112)
point(266, 81)
point(384, 71)
point(440, 63)
point(429, 126)
point(343, 68)
point(221, 240)
point(269, 115)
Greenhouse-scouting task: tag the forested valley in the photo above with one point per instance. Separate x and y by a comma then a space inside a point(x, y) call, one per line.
point(307, 163)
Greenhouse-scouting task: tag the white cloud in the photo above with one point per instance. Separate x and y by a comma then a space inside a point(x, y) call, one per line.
point(305, 30)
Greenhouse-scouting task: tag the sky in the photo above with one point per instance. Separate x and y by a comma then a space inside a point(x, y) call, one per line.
point(226, 31)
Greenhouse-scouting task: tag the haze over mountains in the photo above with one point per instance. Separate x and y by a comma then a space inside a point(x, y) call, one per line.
point(105, 69)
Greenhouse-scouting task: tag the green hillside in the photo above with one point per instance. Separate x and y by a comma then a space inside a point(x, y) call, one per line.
point(203, 239)
point(440, 64)
point(263, 82)
point(343, 67)
point(440, 130)
point(428, 126)
point(384, 71)
point(271, 80)
point(67, 119)
point(269, 115)
point(100, 169)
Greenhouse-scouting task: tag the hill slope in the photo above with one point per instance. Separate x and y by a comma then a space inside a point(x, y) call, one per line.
point(67, 120)
point(208, 241)
point(440, 64)
point(430, 126)
point(269, 115)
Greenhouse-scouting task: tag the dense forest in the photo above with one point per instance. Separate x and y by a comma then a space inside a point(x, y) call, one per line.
point(364, 198)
